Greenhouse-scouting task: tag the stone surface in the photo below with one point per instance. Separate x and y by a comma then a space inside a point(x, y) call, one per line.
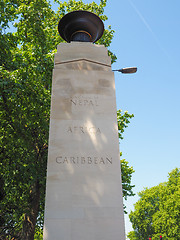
point(84, 192)
point(77, 50)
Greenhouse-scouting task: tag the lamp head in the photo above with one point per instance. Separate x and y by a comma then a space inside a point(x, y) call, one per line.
point(127, 70)
point(81, 26)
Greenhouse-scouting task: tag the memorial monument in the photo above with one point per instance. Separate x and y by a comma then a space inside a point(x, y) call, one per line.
point(84, 191)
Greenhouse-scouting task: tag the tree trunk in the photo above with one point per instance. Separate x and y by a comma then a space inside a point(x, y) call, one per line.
point(30, 217)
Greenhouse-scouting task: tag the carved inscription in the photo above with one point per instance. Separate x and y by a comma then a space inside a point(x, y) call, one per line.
point(84, 160)
point(83, 130)
point(84, 101)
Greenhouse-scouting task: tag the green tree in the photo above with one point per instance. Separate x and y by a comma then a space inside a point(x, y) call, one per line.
point(26, 63)
point(126, 174)
point(158, 211)
point(126, 171)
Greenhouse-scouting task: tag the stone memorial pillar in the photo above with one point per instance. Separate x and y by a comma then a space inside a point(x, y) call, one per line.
point(84, 191)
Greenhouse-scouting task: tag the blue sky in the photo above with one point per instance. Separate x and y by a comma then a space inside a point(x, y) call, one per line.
point(147, 35)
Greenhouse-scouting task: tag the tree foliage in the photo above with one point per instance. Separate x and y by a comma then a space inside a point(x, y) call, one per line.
point(123, 120)
point(26, 63)
point(158, 211)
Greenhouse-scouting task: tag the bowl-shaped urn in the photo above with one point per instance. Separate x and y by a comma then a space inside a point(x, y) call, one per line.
point(81, 26)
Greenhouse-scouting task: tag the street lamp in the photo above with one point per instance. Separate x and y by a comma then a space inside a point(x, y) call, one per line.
point(127, 70)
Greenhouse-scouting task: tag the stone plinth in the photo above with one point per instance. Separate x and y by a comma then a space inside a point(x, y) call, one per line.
point(84, 191)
